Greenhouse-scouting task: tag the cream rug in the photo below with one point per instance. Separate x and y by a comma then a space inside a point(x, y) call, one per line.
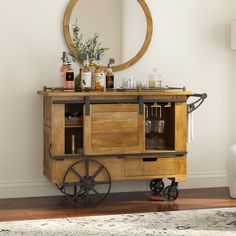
point(210, 222)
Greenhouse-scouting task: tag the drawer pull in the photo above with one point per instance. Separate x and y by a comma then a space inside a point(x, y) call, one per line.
point(151, 159)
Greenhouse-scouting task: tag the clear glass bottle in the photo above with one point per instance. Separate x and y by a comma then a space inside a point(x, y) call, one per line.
point(100, 78)
point(155, 79)
point(92, 66)
point(86, 74)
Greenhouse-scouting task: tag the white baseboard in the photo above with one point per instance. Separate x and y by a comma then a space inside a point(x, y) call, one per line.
point(26, 188)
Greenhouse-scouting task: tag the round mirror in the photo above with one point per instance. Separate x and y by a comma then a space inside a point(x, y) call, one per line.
point(123, 27)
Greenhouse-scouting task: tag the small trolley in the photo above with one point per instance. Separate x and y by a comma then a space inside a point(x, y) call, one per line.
point(93, 138)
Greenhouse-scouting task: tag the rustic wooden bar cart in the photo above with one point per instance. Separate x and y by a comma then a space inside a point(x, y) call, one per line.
point(93, 138)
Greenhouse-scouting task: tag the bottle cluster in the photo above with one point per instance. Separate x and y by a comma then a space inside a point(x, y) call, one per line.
point(92, 75)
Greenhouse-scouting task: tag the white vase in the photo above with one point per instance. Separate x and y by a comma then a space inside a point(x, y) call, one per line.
point(231, 170)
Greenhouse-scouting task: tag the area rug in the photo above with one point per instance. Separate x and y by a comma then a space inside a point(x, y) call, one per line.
point(210, 222)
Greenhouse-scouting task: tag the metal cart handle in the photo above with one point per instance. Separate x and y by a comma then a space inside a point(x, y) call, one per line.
point(50, 150)
point(194, 105)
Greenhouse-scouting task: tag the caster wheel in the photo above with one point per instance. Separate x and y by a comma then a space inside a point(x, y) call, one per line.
point(171, 193)
point(156, 186)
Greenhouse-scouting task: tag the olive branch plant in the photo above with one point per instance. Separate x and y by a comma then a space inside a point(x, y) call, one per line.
point(92, 46)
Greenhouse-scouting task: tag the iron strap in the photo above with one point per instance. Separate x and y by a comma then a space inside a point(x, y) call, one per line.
point(87, 106)
point(156, 154)
point(128, 101)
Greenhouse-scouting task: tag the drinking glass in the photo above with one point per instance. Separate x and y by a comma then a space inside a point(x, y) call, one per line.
point(148, 130)
point(160, 123)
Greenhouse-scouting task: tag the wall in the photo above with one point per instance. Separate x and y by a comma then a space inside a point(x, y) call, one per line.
point(190, 46)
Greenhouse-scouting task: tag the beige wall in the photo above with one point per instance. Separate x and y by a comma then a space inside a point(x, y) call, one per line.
point(190, 46)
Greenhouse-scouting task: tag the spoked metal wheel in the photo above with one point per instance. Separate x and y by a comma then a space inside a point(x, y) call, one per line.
point(71, 188)
point(156, 186)
point(171, 193)
point(92, 181)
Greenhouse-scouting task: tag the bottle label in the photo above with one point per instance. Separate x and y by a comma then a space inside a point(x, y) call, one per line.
point(110, 81)
point(69, 76)
point(100, 81)
point(86, 80)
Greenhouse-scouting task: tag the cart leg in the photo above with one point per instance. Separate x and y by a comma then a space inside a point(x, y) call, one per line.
point(75, 189)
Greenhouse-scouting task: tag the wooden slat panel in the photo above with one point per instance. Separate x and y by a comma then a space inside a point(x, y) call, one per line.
point(125, 122)
point(114, 108)
point(47, 162)
point(58, 93)
point(113, 129)
point(114, 139)
point(58, 129)
point(47, 109)
point(180, 126)
point(116, 169)
point(60, 168)
point(161, 166)
point(87, 134)
point(141, 132)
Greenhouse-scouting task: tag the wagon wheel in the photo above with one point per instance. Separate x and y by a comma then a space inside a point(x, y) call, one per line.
point(71, 188)
point(92, 181)
point(156, 186)
point(171, 193)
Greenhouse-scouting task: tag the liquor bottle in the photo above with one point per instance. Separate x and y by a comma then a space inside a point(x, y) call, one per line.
point(68, 115)
point(109, 77)
point(92, 66)
point(100, 78)
point(86, 74)
point(154, 79)
point(63, 68)
point(73, 143)
point(69, 81)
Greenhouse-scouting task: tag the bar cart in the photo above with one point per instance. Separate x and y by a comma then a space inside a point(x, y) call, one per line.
point(93, 138)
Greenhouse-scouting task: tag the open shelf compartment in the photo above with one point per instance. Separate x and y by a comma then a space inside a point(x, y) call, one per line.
point(159, 126)
point(73, 128)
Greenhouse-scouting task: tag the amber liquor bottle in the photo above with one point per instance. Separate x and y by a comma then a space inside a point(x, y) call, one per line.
point(69, 80)
point(109, 78)
point(100, 78)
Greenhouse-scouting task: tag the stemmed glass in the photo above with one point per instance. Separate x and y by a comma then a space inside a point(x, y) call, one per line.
point(160, 123)
point(160, 127)
point(148, 130)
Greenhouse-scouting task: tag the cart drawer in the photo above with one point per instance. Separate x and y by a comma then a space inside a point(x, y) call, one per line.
point(150, 166)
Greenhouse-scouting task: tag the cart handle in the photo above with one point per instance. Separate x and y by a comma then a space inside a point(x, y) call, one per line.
point(194, 105)
point(50, 150)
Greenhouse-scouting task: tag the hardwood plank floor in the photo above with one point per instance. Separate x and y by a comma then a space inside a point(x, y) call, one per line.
point(116, 203)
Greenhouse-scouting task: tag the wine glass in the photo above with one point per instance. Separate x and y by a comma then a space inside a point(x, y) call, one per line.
point(148, 130)
point(160, 123)
point(160, 130)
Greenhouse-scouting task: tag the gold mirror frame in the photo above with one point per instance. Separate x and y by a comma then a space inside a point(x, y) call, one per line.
point(66, 30)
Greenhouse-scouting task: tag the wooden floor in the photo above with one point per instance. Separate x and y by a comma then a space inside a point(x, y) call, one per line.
point(117, 203)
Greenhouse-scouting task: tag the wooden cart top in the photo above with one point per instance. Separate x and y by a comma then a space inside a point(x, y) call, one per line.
point(60, 93)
